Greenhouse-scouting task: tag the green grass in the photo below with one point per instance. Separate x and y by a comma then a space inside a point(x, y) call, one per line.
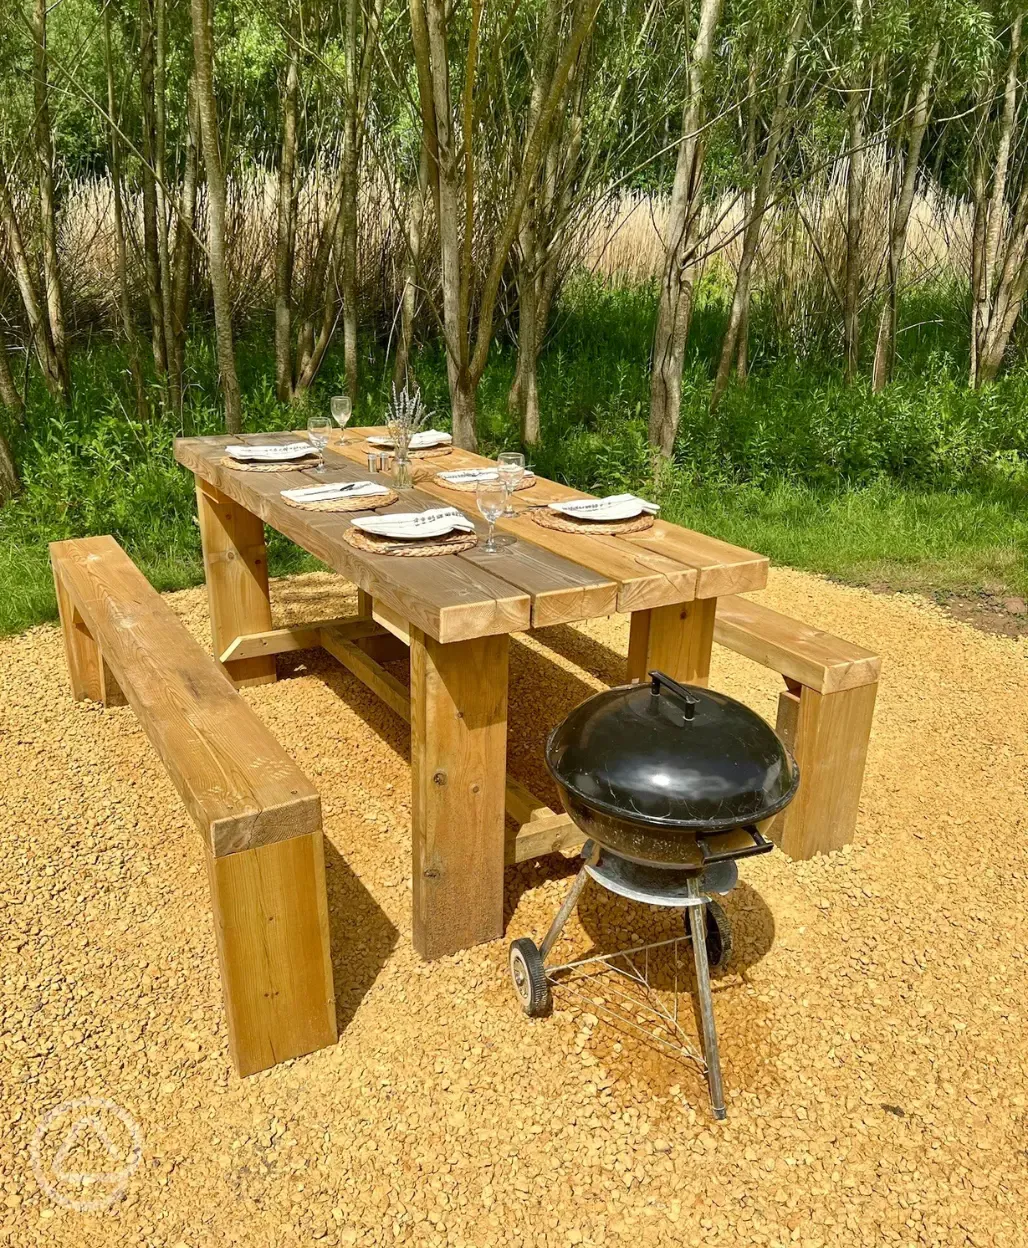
point(921, 487)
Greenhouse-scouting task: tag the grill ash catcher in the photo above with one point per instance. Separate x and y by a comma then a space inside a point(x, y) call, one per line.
point(668, 782)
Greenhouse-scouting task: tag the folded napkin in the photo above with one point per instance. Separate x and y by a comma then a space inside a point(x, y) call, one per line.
point(337, 489)
point(589, 506)
point(465, 476)
point(285, 450)
point(419, 442)
point(433, 522)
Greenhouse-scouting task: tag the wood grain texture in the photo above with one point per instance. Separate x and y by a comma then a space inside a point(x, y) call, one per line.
point(543, 836)
point(235, 564)
point(828, 735)
point(676, 640)
point(807, 655)
point(623, 577)
point(301, 637)
point(271, 922)
point(237, 782)
point(382, 683)
point(721, 568)
point(81, 652)
point(451, 600)
point(458, 753)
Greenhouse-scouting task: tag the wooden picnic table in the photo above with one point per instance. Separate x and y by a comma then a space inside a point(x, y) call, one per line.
point(455, 613)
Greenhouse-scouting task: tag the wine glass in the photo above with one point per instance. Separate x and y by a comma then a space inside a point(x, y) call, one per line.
point(510, 466)
point(491, 497)
point(342, 409)
point(318, 429)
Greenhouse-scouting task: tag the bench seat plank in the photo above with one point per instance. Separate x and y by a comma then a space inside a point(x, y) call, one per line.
point(237, 782)
point(810, 657)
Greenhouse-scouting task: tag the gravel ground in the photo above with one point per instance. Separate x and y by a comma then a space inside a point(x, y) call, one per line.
point(871, 1019)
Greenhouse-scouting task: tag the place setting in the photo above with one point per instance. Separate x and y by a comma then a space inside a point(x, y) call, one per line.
point(273, 457)
point(414, 534)
point(616, 514)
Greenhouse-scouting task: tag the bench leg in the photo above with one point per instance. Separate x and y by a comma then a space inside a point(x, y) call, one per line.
point(676, 640)
point(235, 564)
point(91, 679)
point(271, 921)
point(828, 735)
point(458, 765)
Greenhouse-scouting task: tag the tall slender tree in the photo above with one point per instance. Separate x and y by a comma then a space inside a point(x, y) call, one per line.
point(214, 162)
point(674, 309)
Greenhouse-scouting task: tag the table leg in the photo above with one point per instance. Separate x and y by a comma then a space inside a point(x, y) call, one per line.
point(676, 640)
point(235, 563)
point(458, 764)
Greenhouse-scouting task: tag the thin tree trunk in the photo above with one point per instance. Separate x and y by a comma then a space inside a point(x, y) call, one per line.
point(9, 395)
point(429, 24)
point(183, 258)
point(885, 347)
point(988, 340)
point(43, 136)
point(9, 483)
point(524, 395)
point(286, 241)
point(151, 256)
point(124, 303)
point(401, 364)
point(856, 109)
point(39, 326)
point(761, 196)
point(203, 60)
point(674, 310)
point(12, 400)
point(348, 268)
point(163, 214)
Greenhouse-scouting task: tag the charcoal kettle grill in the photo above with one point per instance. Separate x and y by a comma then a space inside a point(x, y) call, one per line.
point(668, 782)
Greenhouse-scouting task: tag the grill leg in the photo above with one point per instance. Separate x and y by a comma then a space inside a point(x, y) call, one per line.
point(570, 901)
point(698, 928)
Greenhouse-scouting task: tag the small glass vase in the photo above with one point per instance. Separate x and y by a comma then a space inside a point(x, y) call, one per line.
point(402, 476)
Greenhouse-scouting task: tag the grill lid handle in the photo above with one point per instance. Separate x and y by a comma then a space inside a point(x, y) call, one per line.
point(690, 703)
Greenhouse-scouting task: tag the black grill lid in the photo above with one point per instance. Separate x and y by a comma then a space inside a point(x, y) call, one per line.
point(673, 756)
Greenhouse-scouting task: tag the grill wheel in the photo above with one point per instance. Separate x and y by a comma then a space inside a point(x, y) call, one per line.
point(719, 935)
point(529, 977)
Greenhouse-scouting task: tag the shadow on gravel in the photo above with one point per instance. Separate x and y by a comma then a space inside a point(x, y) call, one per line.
point(362, 936)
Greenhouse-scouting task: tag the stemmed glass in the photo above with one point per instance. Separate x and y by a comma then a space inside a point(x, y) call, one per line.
point(491, 497)
point(318, 429)
point(342, 409)
point(510, 465)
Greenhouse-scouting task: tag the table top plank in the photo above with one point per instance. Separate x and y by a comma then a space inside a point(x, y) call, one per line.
point(645, 578)
point(721, 568)
point(449, 598)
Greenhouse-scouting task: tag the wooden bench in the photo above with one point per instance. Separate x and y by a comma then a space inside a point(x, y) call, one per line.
point(824, 716)
point(258, 815)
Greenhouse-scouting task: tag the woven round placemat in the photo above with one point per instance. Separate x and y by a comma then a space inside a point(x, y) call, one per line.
point(290, 465)
point(359, 502)
point(451, 544)
point(564, 524)
point(469, 487)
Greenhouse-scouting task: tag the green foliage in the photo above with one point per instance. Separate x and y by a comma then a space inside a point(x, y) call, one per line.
point(924, 485)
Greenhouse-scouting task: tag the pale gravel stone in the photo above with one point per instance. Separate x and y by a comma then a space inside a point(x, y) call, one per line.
point(890, 975)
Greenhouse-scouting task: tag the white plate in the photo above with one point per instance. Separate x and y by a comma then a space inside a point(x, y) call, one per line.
point(420, 441)
point(271, 454)
point(415, 524)
point(620, 507)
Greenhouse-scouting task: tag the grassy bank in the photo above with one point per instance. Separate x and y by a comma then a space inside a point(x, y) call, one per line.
point(921, 487)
